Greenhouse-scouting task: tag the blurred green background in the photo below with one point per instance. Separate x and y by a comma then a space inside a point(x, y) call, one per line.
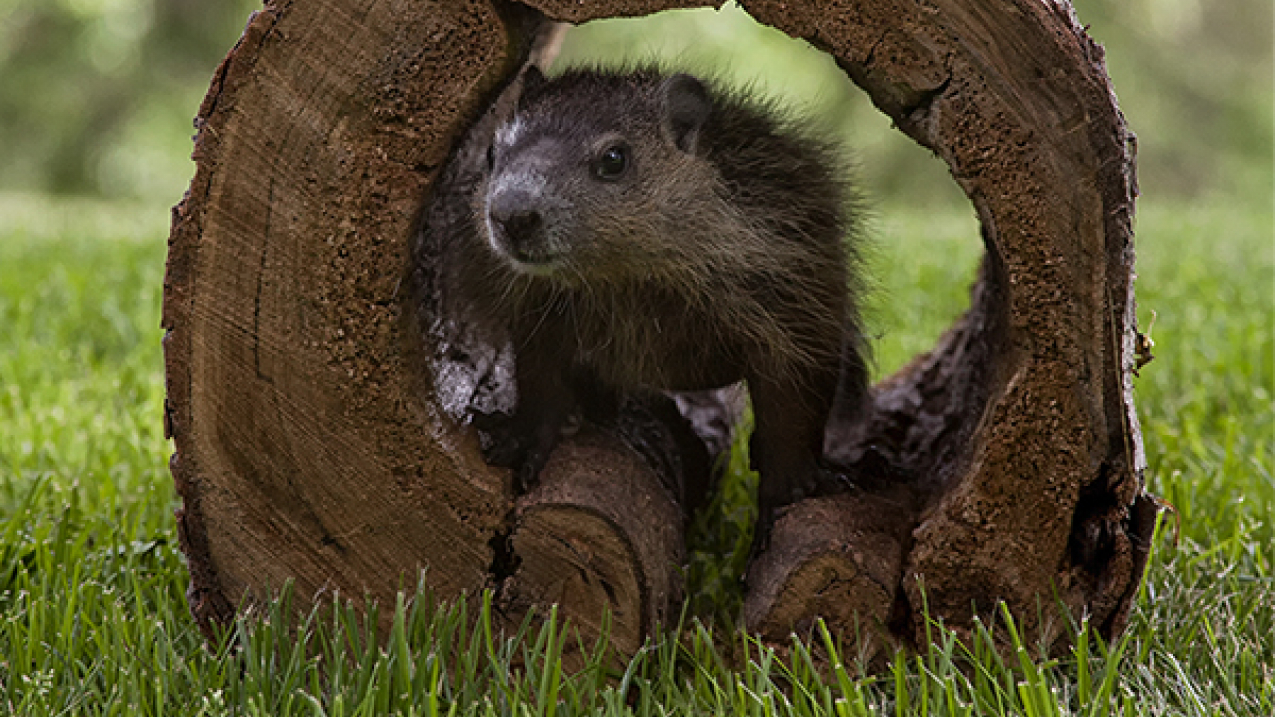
point(97, 96)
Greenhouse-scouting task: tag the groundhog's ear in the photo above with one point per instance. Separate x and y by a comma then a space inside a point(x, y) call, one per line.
point(686, 108)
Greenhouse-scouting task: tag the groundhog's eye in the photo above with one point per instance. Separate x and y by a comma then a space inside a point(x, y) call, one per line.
point(612, 163)
point(491, 156)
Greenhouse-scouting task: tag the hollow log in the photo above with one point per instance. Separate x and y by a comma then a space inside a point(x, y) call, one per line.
point(320, 416)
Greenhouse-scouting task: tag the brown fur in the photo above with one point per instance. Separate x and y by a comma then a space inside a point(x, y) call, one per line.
point(719, 254)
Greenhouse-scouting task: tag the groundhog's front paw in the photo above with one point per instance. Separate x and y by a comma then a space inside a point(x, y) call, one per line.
point(825, 481)
point(503, 444)
point(818, 481)
point(507, 443)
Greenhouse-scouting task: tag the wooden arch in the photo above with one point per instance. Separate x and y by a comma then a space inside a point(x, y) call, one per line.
point(313, 411)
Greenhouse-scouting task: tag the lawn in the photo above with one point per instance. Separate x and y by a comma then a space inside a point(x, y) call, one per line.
point(93, 616)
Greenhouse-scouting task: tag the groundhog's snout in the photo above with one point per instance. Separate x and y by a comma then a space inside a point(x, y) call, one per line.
point(517, 227)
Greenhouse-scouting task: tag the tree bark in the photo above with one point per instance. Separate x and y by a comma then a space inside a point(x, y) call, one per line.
point(319, 417)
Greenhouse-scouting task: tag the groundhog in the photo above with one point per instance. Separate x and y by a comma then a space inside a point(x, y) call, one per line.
point(637, 231)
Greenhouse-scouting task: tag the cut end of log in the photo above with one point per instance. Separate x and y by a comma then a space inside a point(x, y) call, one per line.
point(838, 559)
point(600, 534)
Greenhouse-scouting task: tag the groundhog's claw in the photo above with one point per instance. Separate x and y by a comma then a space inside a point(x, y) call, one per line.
point(506, 443)
point(502, 444)
point(826, 481)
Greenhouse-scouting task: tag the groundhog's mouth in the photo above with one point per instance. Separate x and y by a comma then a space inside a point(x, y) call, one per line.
point(534, 262)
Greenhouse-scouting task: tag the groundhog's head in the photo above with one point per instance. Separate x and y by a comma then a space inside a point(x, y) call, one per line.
point(598, 175)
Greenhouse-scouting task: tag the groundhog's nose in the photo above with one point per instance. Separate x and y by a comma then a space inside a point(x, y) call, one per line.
point(520, 230)
point(519, 226)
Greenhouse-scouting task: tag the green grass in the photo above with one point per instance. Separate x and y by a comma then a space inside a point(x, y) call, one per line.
point(93, 617)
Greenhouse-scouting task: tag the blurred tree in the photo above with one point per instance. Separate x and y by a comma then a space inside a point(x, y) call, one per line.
point(1195, 81)
point(96, 96)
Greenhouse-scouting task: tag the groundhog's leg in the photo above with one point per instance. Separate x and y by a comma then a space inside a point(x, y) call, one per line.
point(546, 400)
point(851, 403)
point(787, 441)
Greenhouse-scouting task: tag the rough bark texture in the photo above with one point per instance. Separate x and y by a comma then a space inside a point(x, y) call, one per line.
point(1018, 430)
point(315, 413)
